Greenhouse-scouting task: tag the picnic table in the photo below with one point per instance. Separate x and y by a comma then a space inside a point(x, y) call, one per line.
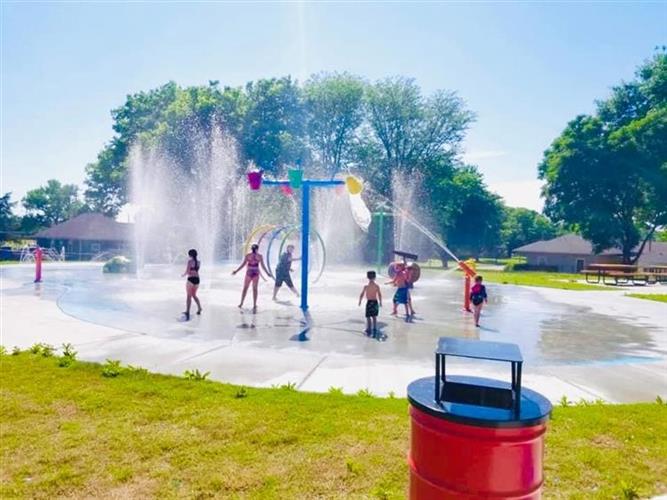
point(622, 274)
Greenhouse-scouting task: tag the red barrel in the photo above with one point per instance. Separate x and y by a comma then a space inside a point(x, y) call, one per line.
point(464, 451)
point(452, 460)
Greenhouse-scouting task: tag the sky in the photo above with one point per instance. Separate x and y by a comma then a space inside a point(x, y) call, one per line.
point(524, 68)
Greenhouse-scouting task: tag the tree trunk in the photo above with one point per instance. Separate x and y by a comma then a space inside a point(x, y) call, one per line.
point(641, 247)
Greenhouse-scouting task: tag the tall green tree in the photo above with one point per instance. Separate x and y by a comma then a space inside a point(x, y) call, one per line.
point(51, 204)
point(607, 173)
point(107, 178)
point(469, 215)
point(522, 226)
point(334, 105)
point(412, 129)
point(8, 220)
point(274, 124)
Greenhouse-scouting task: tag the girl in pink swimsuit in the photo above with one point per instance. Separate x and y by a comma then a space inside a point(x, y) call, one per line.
point(253, 261)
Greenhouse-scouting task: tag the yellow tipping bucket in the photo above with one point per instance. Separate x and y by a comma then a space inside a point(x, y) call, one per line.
point(354, 185)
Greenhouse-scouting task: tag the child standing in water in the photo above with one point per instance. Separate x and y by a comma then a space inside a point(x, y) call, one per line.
point(478, 298)
point(192, 283)
point(401, 296)
point(373, 303)
point(283, 270)
point(253, 261)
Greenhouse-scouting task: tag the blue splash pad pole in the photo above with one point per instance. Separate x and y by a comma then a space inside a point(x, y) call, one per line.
point(305, 226)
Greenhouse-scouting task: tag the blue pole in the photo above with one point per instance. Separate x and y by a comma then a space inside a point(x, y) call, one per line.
point(305, 240)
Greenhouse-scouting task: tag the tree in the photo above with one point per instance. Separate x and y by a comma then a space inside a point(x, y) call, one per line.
point(334, 104)
point(107, 178)
point(8, 221)
point(522, 226)
point(273, 128)
point(51, 204)
point(414, 130)
point(607, 173)
point(470, 216)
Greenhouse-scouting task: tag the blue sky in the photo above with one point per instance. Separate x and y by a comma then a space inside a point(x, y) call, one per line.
point(524, 68)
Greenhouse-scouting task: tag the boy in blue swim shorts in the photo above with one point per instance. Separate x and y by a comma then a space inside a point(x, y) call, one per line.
point(400, 281)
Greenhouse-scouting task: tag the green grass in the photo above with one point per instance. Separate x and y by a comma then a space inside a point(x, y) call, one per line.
point(562, 281)
point(72, 432)
point(658, 297)
point(502, 261)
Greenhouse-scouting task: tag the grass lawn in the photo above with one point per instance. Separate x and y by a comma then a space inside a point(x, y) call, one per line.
point(72, 432)
point(658, 297)
point(563, 281)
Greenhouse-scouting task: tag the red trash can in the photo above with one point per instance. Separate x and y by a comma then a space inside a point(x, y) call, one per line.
point(475, 437)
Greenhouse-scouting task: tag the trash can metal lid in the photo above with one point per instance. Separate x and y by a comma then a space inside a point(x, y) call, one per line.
point(535, 408)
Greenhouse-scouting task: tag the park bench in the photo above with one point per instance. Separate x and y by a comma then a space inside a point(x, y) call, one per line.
point(622, 274)
point(599, 271)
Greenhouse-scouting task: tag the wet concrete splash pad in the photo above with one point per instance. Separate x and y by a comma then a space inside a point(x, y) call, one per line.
point(568, 339)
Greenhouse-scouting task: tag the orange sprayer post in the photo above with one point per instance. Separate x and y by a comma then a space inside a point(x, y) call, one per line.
point(38, 264)
point(469, 274)
point(466, 294)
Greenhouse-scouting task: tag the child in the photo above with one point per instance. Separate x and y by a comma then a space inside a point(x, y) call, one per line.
point(410, 285)
point(373, 302)
point(283, 270)
point(478, 298)
point(400, 281)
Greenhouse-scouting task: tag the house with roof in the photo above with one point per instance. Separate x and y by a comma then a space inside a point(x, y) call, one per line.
point(571, 253)
point(86, 236)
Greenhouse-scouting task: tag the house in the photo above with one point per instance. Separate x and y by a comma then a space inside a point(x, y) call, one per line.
point(571, 253)
point(87, 235)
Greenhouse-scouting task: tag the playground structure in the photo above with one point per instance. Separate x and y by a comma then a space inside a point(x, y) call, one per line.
point(412, 268)
point(50, 254)
point(268, 234)
point(296, 181)
point(273, 239)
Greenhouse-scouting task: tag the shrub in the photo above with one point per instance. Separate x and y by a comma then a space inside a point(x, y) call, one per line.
point(137, 369)
point(45, 350)
point(68, 351)
point(195, 375)
point(241, 392)
point(521, 266)
point(68, 357)
point(65, 361)
point(111, 368)
point(119, 264)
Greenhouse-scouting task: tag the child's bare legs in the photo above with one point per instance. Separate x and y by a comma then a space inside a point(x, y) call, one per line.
point(196, 299)
point(375, 323)
point(477, 311)
point(246, 284)
point(255, 282)
point(368, 326)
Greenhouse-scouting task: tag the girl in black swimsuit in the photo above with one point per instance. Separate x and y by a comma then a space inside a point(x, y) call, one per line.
point(192, 284)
